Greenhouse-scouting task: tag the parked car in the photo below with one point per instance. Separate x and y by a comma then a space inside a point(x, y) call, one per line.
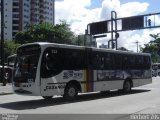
point(154, 73)
point(6, 74)
point(156, 69)
point(8, 68)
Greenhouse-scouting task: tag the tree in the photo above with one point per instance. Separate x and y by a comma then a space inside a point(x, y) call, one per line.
point(23, 37)
point(45, 32)
point(153, 47)
point(156, 38)
point(63, 33)
point(80, 39)
point(123, 49)
point(10, 48)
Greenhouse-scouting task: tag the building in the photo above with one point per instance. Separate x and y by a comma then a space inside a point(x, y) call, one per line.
point(20, 13)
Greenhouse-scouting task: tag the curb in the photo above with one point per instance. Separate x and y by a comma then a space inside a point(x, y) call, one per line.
point(3, 93)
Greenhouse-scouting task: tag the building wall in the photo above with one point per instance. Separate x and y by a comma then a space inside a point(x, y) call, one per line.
point(42, 11)
point(18, 14)
point(26, 14)
point(16, 24)
point(48, 11)
point(8, 19)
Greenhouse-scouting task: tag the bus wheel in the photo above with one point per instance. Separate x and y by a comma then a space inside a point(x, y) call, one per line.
point(70, 91)
point(47, 97)
point(127, 86)
point(159, 74)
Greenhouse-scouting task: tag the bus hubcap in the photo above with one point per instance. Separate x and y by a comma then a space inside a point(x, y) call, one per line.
point(72, 92)
point(127, 86)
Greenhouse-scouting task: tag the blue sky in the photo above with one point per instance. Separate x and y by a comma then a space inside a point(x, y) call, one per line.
point(154, 5)
point(79, 13)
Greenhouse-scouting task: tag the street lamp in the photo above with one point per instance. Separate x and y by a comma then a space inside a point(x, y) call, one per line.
point(2, 41)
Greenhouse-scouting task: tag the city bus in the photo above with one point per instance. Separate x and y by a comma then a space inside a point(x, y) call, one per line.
point(49, 69)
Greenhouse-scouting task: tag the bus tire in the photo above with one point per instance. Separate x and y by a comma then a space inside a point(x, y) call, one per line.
point(105, 92)
point(127, 86)
point(159, 74)
point(70, 91)
point(47, 97)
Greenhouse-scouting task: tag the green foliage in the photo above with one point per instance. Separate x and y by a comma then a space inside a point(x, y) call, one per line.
point(22, 38)
point(123, 49)
point(10, 48)
point(153, 47)
point(63, 34)
point(45, 32)
point(156, 39)
point(80, 39)
point(59, 33)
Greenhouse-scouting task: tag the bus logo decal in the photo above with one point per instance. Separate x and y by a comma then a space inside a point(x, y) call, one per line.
point(68, 74)
point(75, 75)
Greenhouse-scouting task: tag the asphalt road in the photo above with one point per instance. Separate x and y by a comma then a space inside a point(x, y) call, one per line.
point(142, 100)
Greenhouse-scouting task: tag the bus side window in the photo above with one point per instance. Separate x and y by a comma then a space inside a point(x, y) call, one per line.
point(118, 61)
point(125, 62)
point(147, 64)
point(132, 61)
point(98, 61)
point(73, 59)
point(50, 63)
point(108, 61)
point(139, 62)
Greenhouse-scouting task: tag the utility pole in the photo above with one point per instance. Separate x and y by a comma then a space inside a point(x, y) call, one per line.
point(2, 42)
point(113, 30)
point(137, 45)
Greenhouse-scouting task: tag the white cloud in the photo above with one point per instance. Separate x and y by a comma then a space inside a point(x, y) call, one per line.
point(129, 39)
point(107, 7)
point(78, 14)
point(77, 11)
point(132, 8)
point(71, 9)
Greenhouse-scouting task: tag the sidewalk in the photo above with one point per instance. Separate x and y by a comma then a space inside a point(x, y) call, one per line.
point(5, 90)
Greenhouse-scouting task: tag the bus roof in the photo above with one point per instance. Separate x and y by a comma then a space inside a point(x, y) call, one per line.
point(14, 55)
point(47, 44)
point(120, 51)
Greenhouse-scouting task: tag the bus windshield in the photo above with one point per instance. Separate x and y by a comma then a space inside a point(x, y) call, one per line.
point(11, 60)
point(26, 63)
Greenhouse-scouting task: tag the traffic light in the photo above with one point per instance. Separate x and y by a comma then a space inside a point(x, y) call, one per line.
point(149, 22)
point(113, 45)
point(117, 35)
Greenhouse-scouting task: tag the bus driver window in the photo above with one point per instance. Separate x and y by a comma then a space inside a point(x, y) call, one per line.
point(48, 63)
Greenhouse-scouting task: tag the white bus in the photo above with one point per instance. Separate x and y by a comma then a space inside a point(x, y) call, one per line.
point(48, 69)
